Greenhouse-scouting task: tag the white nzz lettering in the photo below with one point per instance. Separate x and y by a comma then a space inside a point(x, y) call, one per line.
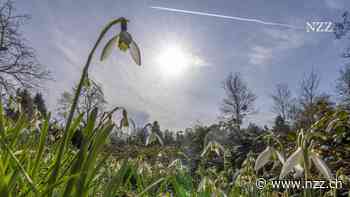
point(318, 26)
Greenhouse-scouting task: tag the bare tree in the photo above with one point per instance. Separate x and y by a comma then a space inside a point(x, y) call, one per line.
point(309, 89)
point(18, 63)
point(92, 97)
point(294, 110)
point(239, 101)
point(282, 99)
point(308, 97)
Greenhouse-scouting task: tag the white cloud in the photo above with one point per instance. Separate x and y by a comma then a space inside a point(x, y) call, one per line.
point(261, 118)
point(280, 41)
point(335, 4)
point(68, 46)
point(260, 55)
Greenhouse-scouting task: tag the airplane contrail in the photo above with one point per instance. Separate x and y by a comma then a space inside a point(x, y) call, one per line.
point(227, 17)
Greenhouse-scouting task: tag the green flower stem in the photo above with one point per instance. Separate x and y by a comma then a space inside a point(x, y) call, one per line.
point(84, 74)
point(151, 186)
point(85, 71)
point(306, 168)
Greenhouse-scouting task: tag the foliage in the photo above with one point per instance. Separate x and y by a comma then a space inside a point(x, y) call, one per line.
point(281, 128)
point(343, 87)
point(39, 102)
point(341, 30)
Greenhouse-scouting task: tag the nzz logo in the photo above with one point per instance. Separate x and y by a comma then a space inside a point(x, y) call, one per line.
point(318, 26)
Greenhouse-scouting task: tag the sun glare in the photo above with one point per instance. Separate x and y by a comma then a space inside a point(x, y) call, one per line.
point(173, 61)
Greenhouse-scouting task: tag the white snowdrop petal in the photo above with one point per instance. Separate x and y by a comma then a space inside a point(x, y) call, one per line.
point(135, 53)
point(108, 47)
point(280, 157)
point(321, 166)
point(160, 140)
point(292, 161)
point(263, 158)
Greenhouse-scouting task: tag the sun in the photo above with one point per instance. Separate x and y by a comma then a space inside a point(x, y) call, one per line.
point(173, 61)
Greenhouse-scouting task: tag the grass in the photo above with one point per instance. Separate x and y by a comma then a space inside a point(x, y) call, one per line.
point(28, 159)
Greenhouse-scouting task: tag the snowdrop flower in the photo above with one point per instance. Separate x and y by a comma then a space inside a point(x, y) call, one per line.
point(270, 153)
point(267, 155)
point(154, 137)
point(297, 160)
point(124, 42)
point(213, 146)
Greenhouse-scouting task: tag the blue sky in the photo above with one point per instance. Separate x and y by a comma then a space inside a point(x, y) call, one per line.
point(63, 32)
